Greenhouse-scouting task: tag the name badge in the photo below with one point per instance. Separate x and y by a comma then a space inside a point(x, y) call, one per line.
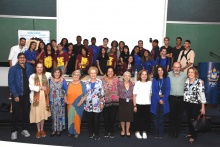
point(127, 100)
point(160, 92)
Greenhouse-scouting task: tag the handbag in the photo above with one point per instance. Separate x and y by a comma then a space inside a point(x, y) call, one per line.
point(202, 123)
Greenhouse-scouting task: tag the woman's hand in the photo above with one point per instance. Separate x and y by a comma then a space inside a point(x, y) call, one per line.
point(101, 106)
point(202, 110)
point(161, 102)
point(80, 103)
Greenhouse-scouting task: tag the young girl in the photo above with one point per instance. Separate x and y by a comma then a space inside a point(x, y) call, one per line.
point(47, 57)
point(82, 60)
point(148, 62)
point(102, 60)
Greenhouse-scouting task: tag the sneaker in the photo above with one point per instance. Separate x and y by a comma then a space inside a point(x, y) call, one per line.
point(106, 134)
point(38, 135)
point(112, 135)
point(91, 135)
point(14, 135)
point(138, 135)
point(43, 134)
point(144, 135)
point(97, 137)
point(25, 133)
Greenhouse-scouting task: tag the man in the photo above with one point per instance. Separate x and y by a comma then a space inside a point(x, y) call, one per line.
point(177, 81)
point(177, 49)
point(163, 60)
point(18, 85)
point(155, 51)
point(168, 48)
point(15, 50)
point(78, 46)
point(141, 49)
point(105, 44)
point(90, 52)
point(95, 50)
point(186, 57)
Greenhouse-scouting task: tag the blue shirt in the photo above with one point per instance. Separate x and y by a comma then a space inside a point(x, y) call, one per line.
point(30, 55)
point(95, 52)
point(137, 62)
point(163, 62)
point(148, 65)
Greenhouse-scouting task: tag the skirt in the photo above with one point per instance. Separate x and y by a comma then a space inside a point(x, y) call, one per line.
point(125, 110)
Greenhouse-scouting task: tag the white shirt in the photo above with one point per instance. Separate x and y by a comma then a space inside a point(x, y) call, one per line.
point(143, 92)
point(15, 50)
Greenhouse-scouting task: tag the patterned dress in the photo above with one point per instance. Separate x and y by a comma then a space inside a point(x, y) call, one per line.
point(57, 104)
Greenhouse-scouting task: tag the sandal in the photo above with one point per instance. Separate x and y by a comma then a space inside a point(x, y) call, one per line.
point(191, 140)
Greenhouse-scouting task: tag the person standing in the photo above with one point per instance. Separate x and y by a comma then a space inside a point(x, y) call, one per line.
point(159, 100)
point(94, 102)
point(30, 54)
point(126, 107)
point(15, 50)
point(95, 50)
point(76, 95)
point(105, 44)
point(163, 60)
point(111, 101)
point(39, 98)
point(141, 49)
point(155, 52)
point(58, 88)
point(18, 85)
point(142, 101)
point(177, 49)
point(195, 100)
point(186, 57)
point(177, 106)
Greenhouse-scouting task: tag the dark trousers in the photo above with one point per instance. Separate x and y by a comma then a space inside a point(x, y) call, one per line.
point(177, 107)
point(142, 118)
point(22, 107)
point(158, 120)
point(109, 114)
point(93, 122)
point(192, 112)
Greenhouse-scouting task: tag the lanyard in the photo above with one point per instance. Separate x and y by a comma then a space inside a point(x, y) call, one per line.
point(160, 84)
point(190, 87)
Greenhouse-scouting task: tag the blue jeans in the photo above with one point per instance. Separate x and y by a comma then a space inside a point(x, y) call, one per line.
point(158, 121)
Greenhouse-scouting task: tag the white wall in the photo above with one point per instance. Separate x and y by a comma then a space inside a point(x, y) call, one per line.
point(127, 20)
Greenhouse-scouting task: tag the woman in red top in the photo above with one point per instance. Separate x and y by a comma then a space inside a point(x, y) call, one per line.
point(82, 60)
point(47, 57)
point(112, 57)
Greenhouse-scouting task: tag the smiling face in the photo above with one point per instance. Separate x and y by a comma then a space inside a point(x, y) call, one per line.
point(110, 72)
point(127, 77)
point(136, 50)
point(33, 46)
point(105, 42)
point(191, 74)
point(160, 72)
point(130, 59)
point(59, 47)
point(41, 45)
point(22, 42)
point(176, 67)
point(39, 68)
point(76, 76)
point(21, 60)
point(93, 74)
point(146, 54)
point(57, 74)
point(140, 44)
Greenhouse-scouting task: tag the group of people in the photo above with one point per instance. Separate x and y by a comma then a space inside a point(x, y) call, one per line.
point(80, 56)
point(125, 100)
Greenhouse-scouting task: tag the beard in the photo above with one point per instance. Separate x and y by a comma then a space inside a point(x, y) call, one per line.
point(176, 72)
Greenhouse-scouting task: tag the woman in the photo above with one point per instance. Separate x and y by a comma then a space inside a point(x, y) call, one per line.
point(39, 98)
point(94, 102)
point(121, 67)
point(195, 100)
point(148, 62)
point(111, 102)
point(112, 57)
point(102, 60)
point(142, 101)
point(47, 57)
point(72, 60)
point(76, 93)
point(64, 44)
point(159, 100)
point(125, 54)
point(121, 48)
point(125, 112)
point(58, 87)
point(30, 54)
point(130, 66)
point(137, 58)
point(82, 60)
point(41, 49)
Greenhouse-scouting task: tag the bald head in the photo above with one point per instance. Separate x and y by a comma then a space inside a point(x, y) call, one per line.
point(176, 68)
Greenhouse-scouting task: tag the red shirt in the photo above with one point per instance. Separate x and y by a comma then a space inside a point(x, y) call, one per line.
point(112, 60)
point(47, 60)
point(61, 59)
point(90, 56)
point(83, 60)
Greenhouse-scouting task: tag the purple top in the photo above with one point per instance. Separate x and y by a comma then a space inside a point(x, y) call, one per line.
point(123, 93)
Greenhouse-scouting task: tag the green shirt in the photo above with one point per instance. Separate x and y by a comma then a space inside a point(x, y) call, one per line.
point(177, 83)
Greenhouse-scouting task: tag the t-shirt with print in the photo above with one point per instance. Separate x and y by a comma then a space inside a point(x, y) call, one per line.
point(61, 59)
point(83, 60)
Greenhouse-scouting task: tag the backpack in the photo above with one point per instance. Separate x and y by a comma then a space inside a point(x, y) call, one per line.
point(185, 55)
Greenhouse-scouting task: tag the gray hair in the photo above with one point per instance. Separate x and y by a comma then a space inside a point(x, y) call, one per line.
point(76, 71)
point(127, 72)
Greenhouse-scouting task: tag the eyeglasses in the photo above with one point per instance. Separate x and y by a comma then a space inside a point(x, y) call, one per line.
point(77, 75)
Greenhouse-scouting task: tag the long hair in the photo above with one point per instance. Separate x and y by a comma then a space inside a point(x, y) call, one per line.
point(100, 54)
point(52, 50)
point(149, 56)
point(139, 75)
point(156, 75)
point(132, 52)
point(61, 43)
point(39, 49)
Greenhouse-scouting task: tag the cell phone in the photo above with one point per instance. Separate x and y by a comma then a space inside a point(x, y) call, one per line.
point(150, 40)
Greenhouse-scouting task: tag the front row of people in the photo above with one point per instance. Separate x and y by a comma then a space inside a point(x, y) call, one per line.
point(133, 102)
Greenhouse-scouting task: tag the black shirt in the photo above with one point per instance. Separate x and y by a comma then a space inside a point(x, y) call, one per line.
point(25, 82)
point(169, 49)
point(176, 53)
point(77, 49)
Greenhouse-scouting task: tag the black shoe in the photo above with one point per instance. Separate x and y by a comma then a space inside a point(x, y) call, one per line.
point(112, 135)
point(97, 137)
point(53, 134)
point(91, 135)
point(58, 133)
